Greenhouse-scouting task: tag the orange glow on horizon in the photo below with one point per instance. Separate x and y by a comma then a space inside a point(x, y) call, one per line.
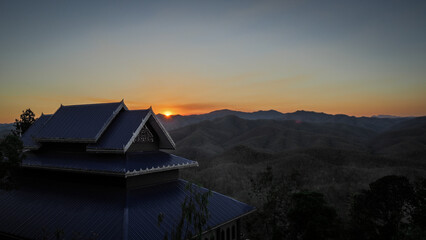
point(167, 113)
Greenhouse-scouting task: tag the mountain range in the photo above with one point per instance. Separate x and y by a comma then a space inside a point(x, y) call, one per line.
point(377, 123)
point(337, 155)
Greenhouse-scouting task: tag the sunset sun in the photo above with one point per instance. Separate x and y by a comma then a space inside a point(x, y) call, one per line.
point(167, 113)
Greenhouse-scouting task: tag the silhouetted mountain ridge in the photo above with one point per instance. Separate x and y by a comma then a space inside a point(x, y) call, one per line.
point(372, 123)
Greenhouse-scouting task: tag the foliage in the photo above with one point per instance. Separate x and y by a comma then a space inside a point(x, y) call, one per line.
point(383, 211)
point(285, 212)
point(25, 121)
point(272, 197)
point(10, 159)
point(310, 217)
point(194, 215)
point(418, 223)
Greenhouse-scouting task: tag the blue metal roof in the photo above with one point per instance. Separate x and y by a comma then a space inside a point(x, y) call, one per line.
point(120, 131)
point(111, 213)
point(79, 123)
point(28, 137)
point(125, 164)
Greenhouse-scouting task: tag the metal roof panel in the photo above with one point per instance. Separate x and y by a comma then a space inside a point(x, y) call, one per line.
point(79, 123)
point(111, 213)
point(31, 133)
point(120, 131)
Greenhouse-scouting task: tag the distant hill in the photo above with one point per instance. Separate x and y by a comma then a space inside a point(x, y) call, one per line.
point(178, 121)
point(406, 139)
point(212, 137)
point(372, 123)
point(5, 129)
point(331, 154)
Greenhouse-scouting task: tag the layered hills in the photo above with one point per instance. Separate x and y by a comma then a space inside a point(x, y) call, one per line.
point(337, 155)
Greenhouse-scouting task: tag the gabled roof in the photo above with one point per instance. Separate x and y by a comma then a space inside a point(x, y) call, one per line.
point(105, 127)
point(121, 130)
point(126, 165)
point(79, 123)
point(126, 126)
point(110, 213)
point(31, 133)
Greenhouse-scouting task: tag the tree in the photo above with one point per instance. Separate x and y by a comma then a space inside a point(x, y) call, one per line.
point(309, 217)
point(25, 121)
point(418, 219)
point(193, 219)
point(271, 196)
point(383, 211)
point(10, 159)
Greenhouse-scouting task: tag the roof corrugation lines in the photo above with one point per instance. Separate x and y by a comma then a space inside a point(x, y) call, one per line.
point(147, 204)
point(111, 213)
point(141, 162)
point(83, 123)
point(28, 137)
point(38, 212)
point(120, 130)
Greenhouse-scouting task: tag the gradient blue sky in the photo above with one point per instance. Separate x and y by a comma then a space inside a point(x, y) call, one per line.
point(353, 57)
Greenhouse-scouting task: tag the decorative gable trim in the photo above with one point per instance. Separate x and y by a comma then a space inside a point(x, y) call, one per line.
point(162, 129)
point(136, 133)
point(160, 169)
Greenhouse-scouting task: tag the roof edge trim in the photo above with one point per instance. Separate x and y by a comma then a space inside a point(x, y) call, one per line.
point(108, 122)
point(74, 170)
point(160, 169)
point(229, 221)
point(163, 129)
point(136, 133)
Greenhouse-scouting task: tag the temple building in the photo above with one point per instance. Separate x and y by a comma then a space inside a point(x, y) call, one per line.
point(97, 171)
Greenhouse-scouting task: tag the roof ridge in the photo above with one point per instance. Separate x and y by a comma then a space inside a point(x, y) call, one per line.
point(88, 104)
point(137, 110)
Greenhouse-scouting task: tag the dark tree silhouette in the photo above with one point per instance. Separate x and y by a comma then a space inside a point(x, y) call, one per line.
point(10, 159)
point(25, 121)
point(271, 196)
point(418, 223)
point(309, 217)
point(383, 211)
point(193, 219)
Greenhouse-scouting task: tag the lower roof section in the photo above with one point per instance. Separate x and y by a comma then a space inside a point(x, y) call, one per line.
point(129, 164)
point(39, 211)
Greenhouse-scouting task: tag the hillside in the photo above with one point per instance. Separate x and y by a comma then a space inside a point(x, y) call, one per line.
point(331, 157)
point(406, 139)
point(5, 129)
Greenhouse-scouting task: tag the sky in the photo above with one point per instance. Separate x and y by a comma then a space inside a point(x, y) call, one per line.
point(359, 58)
